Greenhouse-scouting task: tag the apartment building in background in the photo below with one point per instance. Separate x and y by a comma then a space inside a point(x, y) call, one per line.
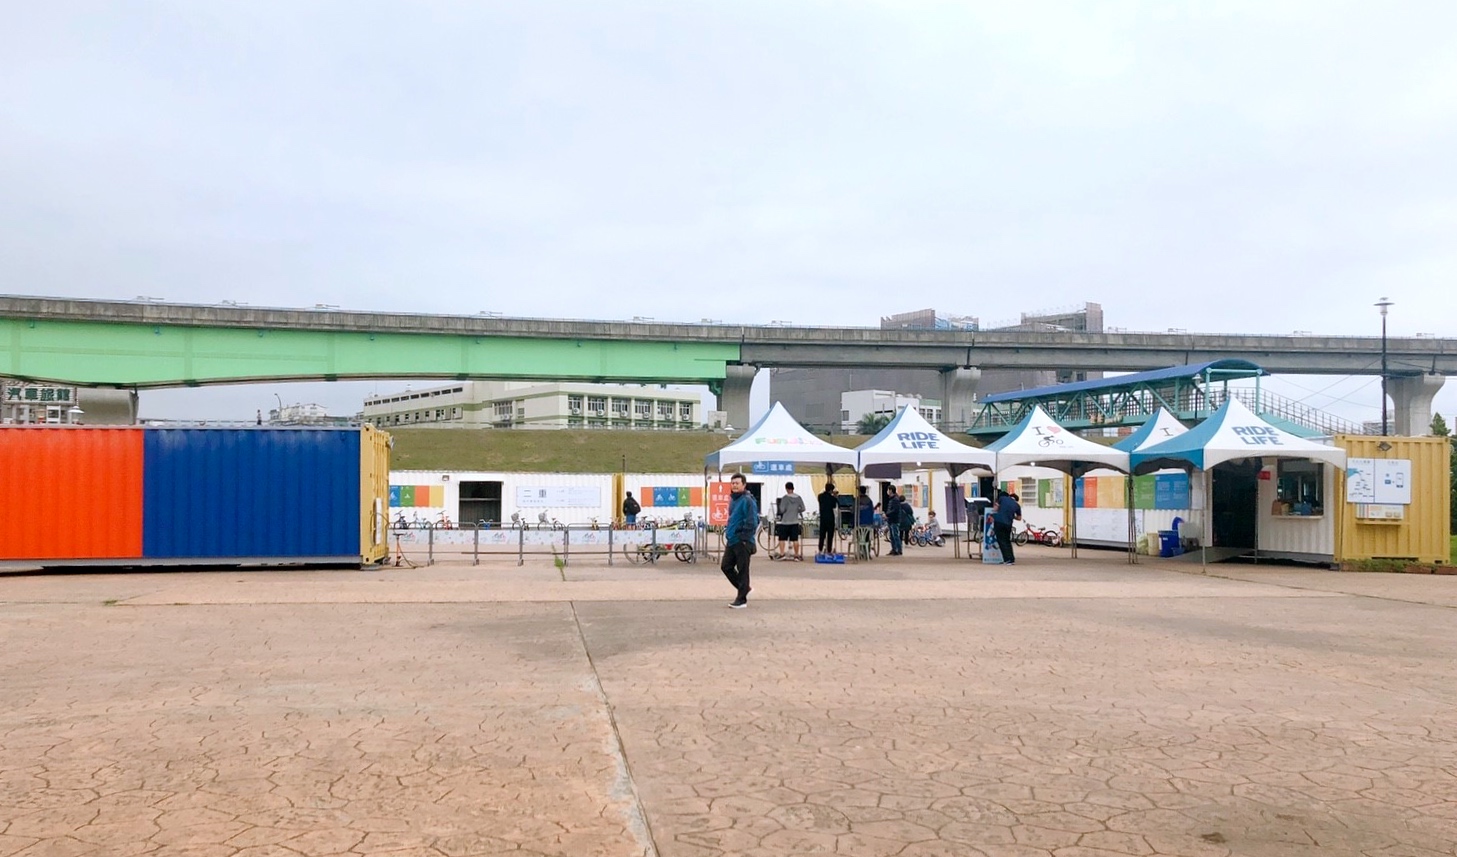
point(537, 405)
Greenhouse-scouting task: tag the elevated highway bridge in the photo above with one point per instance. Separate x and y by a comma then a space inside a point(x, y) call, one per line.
point(143, 344)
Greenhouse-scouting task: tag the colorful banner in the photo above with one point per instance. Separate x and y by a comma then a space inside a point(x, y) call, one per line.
point(408, 496)
point(670, 497)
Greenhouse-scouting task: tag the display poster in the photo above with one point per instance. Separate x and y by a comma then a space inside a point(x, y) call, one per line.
point(1382, 481)
point(1112, 492)
point(991, 552)
point(558, 496)
point(1171, 491)
point(1049, 493)
point(1143, 492)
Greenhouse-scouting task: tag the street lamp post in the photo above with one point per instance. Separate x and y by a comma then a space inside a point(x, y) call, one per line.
point(1383, 304)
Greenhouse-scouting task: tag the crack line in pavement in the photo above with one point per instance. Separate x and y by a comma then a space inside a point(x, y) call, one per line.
point(1299, 588)
point(637, 815)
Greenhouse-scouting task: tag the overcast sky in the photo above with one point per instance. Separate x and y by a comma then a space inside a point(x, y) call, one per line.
point(1260, 167)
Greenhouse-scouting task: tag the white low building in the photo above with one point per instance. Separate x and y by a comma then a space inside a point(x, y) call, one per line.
point(520, 404)
point(858, 404)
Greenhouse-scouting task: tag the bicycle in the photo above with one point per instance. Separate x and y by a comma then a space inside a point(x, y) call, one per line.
point(545, 523)
point(443, 522)
point(921, 537)
point(683, 551)
point(765, 536)
point(1050, 537)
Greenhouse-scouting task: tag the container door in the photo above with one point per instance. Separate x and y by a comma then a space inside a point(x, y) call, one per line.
point(480, 501)
point(1236, 490)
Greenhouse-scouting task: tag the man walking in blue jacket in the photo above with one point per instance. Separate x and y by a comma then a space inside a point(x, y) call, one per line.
point(738, 538)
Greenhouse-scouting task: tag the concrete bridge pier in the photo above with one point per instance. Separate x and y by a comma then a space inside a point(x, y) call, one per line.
point(733, 396)
point(1411, 399)
point(958, 397)
point(101, 406)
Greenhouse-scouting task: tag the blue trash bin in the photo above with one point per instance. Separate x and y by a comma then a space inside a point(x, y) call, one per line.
point(1169, 543)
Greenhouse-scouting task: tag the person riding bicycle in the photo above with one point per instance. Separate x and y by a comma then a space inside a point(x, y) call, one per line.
point(933, 527)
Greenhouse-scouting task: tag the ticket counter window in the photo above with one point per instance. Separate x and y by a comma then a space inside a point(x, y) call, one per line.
point(1300, 488)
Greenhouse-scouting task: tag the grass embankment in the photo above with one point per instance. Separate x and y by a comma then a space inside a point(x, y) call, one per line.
point(1454, 550)
point(561, 451)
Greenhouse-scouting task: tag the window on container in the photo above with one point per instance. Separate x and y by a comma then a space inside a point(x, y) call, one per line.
point(1299, 488)
point(1028, 491)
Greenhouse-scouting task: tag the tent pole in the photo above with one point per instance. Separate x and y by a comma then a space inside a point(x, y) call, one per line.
point(1132, 554)
point(1208, 534)
point(955, 534)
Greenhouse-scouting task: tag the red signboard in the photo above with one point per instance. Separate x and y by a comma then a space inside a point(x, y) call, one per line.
point(718, 503)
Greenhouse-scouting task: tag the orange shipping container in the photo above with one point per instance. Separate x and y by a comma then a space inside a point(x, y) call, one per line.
point(70, 493)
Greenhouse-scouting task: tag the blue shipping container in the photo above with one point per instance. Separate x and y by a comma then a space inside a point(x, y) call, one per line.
point(251, 493)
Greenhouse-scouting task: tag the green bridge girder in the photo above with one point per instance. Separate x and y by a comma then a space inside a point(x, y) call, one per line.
point(143, 356)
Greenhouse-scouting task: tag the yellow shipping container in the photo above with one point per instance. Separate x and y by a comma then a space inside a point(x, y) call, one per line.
point(1420, 533)
point(374, 495)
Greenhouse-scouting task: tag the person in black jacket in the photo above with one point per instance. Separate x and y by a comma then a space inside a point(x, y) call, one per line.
point(893, 520)
point(829, 518)
point(630, 508)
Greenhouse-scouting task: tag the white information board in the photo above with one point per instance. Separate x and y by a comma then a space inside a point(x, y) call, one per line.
point(558, 496)
point(1383, 481)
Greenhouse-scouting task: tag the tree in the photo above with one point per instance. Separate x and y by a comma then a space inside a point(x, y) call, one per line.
point(1440, 429)
point(872, 423)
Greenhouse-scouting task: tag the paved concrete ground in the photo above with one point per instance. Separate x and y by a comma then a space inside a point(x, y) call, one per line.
point(918, 708)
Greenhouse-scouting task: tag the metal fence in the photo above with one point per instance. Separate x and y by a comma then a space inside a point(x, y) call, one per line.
point(412, 546)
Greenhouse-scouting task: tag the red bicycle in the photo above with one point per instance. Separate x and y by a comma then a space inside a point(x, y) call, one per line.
point(1050, 537)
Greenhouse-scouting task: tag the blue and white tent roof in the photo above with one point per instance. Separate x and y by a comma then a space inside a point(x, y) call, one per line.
point(1162, 427)
point(909, 439)
point(1039, 440)
point(1232, 433)
point(779, 437)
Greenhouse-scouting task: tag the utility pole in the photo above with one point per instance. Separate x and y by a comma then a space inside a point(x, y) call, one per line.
point(1383, 304)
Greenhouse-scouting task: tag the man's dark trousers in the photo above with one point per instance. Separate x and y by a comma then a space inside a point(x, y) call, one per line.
point(735, 567)
point(827, 535)
point(1003, 533)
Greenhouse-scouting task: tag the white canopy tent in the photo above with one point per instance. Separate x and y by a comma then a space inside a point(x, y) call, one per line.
point(1164, 426)
point(1040, 441)
point(1232, 433)
point(909, 440)
point(779, 437)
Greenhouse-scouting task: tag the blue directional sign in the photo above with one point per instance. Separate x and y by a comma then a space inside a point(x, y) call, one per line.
point(774, 468)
